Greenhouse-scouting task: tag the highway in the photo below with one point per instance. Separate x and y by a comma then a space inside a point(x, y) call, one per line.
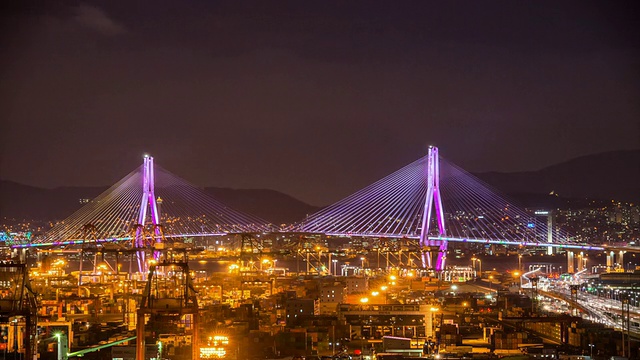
point(600, 310)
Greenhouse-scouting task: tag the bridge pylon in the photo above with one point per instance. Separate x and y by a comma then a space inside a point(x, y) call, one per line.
point(148, 203)
point(433, 200)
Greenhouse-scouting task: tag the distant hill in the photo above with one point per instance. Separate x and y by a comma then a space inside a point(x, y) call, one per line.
point(605, 176)
point(27, 202)
point(277, 207)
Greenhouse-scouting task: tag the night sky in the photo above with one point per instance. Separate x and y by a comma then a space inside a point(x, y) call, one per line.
point(313, 99)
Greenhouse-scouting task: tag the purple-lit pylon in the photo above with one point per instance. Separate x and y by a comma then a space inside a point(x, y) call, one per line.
point(433, 198)
point(148, 201)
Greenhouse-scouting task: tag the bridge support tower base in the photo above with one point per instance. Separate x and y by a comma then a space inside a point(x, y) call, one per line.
point(433, 200)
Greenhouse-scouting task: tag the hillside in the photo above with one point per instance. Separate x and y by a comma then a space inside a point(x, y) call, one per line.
point(604, 176)
point(27, 202)
point(277, 207)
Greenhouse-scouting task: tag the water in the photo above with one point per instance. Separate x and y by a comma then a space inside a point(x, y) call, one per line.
point(502, 263)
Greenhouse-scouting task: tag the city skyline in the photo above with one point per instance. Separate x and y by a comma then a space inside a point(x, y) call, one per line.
point(312, 100)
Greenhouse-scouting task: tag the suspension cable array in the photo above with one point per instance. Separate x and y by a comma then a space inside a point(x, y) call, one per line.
point(184, 210)
point(394, 206)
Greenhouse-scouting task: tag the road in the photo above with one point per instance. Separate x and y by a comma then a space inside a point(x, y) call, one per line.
point(604, 311)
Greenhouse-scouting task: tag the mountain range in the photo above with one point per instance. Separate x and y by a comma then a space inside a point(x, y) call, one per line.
point(18, 201)
point(613, 175)
point(604, 176)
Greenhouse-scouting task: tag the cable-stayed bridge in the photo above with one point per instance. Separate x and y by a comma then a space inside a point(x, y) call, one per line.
point(436, 202)
point(430, 200)
point(151, 196)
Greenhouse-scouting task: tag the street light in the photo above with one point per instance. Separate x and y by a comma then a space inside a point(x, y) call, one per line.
point(264, 262)
point(57, 336)
point(62, 345)
point(592, 346)
point(383, 289)
point(519, 261)
point(517, 275)
point(434, 310)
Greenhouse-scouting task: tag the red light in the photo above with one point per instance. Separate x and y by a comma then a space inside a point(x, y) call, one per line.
point(357, 352)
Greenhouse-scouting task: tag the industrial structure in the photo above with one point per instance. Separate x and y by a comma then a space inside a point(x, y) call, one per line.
point(132, 249)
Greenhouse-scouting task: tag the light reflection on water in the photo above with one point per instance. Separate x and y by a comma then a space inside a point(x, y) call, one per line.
point(500, 263)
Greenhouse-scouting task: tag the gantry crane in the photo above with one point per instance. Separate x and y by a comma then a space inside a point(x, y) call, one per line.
point(18, 307)
point(168, 297)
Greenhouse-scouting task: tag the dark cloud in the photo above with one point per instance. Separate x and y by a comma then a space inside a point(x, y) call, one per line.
point(97, 19)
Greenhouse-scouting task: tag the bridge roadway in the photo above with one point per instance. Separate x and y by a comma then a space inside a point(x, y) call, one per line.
point(568, 246)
